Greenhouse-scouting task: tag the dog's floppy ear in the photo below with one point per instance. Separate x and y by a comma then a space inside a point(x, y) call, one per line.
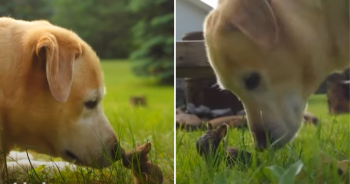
point(256, 19)
point(59, 65)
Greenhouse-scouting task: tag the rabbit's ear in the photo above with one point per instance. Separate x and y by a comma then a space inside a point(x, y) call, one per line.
point(145, 148)
point(222, 131)
point(209, 126)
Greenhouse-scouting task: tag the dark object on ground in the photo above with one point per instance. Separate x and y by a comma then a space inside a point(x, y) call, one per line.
point(143, 170)
point(138, 101)
point(205, 91)
point(208, 147)
point(338, 93)
point(310, 118)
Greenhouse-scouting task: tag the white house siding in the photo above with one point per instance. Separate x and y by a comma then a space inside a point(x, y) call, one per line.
point(189, 18)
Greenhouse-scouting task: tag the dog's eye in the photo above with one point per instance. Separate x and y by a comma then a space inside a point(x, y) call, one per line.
point(252, 81)
point(91, 104)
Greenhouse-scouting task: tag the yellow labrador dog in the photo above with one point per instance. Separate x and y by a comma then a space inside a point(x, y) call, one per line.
point(273, 54)
point(51, 88)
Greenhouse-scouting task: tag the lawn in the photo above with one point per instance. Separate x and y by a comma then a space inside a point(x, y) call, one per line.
point(330, 137)
point(154, 123)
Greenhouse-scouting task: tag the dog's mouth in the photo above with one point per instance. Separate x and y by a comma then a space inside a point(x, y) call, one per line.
point(99, 162)
point(71, 155)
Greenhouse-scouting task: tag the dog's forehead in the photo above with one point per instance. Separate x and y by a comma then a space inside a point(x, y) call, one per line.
point(94, 94)
point(230, 46)
point(233, 57)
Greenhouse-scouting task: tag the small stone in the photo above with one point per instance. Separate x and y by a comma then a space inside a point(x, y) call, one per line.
point(221, 112)
point(187, 121)
point(231, 121)
point(241, 113)
point(308, 117)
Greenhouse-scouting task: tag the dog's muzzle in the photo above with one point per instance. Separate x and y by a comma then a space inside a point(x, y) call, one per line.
point(275, 137)
point(117, 152)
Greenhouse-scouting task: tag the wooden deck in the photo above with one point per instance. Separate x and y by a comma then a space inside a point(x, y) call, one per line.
point(191, 60)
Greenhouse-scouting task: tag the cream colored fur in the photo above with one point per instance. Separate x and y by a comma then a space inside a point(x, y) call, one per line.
point(47, 75)
point(292, 45)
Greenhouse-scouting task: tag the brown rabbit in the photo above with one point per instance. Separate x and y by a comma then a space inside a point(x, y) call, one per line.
point(208, 147)
point(143, 170)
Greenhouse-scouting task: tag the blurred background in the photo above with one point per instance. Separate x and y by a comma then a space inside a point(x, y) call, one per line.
point(135, 42)
point(137, 30)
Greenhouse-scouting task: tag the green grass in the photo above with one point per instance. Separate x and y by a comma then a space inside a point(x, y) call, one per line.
point(330, 137)
point(153, 123)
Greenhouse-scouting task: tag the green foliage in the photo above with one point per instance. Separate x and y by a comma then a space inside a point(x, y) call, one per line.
point(281, 176)
point(141, 30)
point(104, 24)
point(26, 10)
point(154, 36)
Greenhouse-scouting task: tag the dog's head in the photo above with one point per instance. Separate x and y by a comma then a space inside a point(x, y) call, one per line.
point(57, 108)
point(254, 58)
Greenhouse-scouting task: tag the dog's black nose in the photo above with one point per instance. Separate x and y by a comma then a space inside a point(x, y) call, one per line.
point(71, 155)
point(264, 140)
point(117, 151)
point(261, 140)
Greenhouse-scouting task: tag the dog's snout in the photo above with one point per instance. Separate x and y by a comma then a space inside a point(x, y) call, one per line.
point(271, 138)
point(117, 151)
point(262, 139)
